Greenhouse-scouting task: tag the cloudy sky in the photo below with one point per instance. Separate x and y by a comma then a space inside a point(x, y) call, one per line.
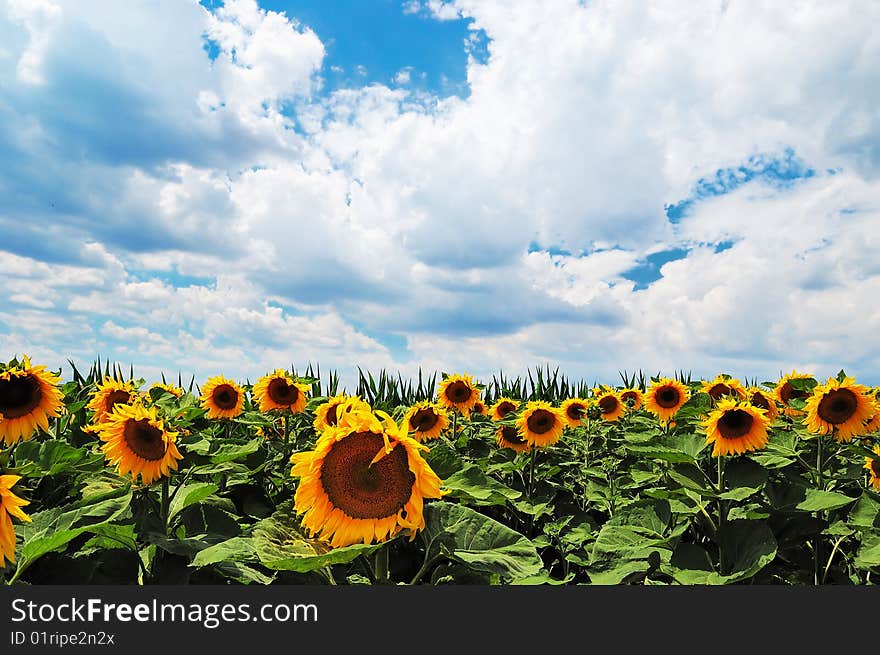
point(467, 185)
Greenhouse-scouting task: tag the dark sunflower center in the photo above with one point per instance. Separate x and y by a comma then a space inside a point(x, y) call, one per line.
point(331, 418)
point(363, 491)
point(458, 392)
point(838, 406)
point(540, 422)
point(423, 420)
point(608, 404)
point(787, 392)
point(667, 397)
point(224, 396)
point(144, 440)
point(118, 397)
point(505, 408)
point(875, 467)
point(760, 400)
point(629, 397)
point(281, 392)
point(19, 396)
point(576, 411)
point(735, 423)
point(511, 436)
point(718, 390)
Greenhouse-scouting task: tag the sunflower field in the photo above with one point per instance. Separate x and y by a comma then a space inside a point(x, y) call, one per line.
point(105, 479)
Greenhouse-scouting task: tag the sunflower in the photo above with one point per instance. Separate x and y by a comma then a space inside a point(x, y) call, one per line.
point(724, 386)
point(611, 407)
point(632, 398)
point(665, 397)
point(29, 396)
point(10, 505)
point(736, 427)
point(458, 393)
point(108, 394)
point(508, 437)
point(763, 399)
point(574, 410)
point(365, 481)
point(873, 466)
point(785, 392)
point(840, 407)
point(479, 407)
point(279, 390)
point(327, 414)
point(222, 398)
point(540, 424)
point(872, 425)
point(502, 407)
point(425, 420)
point(136, 441)
point(177, 392)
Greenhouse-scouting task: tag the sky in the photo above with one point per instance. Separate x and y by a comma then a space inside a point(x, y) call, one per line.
point(452, 185)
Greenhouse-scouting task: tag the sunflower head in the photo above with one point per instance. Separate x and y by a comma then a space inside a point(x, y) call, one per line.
point(279, 390)
point(575, 411)
point(723, 385)
point(425, 421)
point(508, 436)
point(365, 481)
point(108, 394)
point(458, 393)
point(632, 398)
point(873, 466)
point(223, 398)
point(10, 506)
point(502, 407)
point(611, 407)
point(790, 387)
point(665, 397)
point(327, 414)
point(29, 396)
point(540, 424)
point(764, 400)
point(479, 408)
point(175, 391)
point(137, 441)
point(841, 407)
point(736, 427)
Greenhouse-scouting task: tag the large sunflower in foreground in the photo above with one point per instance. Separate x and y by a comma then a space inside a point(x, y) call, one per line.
point(873, 466)
point(763, 399)
point(665, 397)
point(540, 424)
point(611, 407)
point(632, 398)
point(29, 396)
point(365, 481)
point(223, 398)
point(736, 427)
point(502, 407)
point(842, 408)
point(107, 395)
point(723, 386)
point(785, 392)
point(507, 436)
point(327, 413)
point(458, 393)
point(425, 421)
point(136, 441)
point(279, 390)
point(574, 410)
point(10, 505)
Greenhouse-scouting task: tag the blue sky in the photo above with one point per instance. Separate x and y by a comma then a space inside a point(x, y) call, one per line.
point(446, 184)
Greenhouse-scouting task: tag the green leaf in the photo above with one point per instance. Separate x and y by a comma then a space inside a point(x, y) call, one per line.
point(865, 512)
point(869, 552)
point(481, 543)
point(744, 472)
point(746, 548)
point(282, 546)
point(190, 495)
point(817, 500)
point(443, 460)
point(54, 528)
point(235, 452)
point(237, 549)
point(471, 484)
point(36, 459)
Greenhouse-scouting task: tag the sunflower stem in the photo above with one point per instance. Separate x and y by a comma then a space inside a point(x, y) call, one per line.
point(382, 565)
point(817, 540)
point(721, 513)
point(165, 504)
